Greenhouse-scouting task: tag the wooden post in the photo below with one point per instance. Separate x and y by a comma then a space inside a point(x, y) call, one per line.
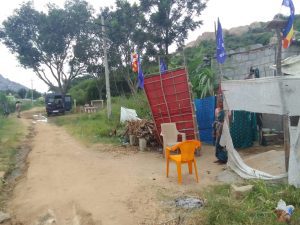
point(278, 23)
point(196, 130)
point(285, 117)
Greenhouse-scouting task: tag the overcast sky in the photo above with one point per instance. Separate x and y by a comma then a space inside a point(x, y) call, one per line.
point(232, 13)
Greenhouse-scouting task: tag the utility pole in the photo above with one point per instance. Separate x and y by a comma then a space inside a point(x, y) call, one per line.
point(108, 98)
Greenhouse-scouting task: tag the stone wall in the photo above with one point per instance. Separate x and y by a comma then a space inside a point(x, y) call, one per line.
point(238, 62)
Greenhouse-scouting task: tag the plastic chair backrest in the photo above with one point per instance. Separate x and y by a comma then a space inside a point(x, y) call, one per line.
point(187, 149)
point(169, 132)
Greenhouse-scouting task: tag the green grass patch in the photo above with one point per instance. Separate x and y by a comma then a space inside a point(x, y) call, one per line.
point(11, 132)
point(257, 207)
point(89, 128)
point(96, 127)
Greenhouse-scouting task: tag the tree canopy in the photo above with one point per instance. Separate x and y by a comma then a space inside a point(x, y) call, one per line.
point(171, 20)
point(125, 34)
point(63, 43)
point(55, 45)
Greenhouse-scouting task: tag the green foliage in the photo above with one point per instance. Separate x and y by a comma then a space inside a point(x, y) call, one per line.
point(138, 102)
point(203, 76)
point(170, 21)
point(86, 90)
point(124, 30)
point(257, 207)
point(80, 92)
point(246, 39)
point(11, 132)
point(28, 104)
point(3, 103)
point(96, 127)
point(205, 83)
point(7, 103)
point(90, 127)
point(49, 42)
point(297, 23)
point(22, 93)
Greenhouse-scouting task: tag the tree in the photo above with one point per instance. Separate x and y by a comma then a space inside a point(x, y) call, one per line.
point(125, 34)
point(55, 45)
point(35, 94)
point(170, 21)
point(22, 93)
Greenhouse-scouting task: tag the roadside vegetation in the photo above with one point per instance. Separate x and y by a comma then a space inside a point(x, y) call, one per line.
point(11, 133)
point(255, 208)
point(96, 127)
point(129, 28)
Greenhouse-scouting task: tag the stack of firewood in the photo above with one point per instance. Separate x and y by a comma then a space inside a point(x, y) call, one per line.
point(142, 129)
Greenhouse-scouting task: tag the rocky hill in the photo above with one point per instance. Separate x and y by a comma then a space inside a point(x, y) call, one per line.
point(6, 84)
point(237, 31)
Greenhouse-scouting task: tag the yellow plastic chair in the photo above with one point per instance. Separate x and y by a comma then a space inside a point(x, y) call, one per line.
point(187, 150)
point(170, 134)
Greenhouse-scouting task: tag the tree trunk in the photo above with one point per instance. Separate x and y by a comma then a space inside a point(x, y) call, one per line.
point(99, 87)
point(130, 83)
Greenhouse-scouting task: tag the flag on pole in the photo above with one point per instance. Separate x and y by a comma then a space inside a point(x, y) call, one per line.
point(288, 30)
point(134, 62)
point(163, 67)
point(140, 74)
point(220, 53)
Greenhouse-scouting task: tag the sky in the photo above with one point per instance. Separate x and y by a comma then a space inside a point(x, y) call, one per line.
point(232, 13)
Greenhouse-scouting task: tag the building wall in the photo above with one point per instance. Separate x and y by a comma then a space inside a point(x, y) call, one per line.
point(238, 63)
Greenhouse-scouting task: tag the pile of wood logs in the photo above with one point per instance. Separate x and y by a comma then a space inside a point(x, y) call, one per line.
point(142, 129)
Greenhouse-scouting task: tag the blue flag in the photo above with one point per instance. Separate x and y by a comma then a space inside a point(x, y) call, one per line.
point(220, 53)
point(163, 67)
point(140, 74)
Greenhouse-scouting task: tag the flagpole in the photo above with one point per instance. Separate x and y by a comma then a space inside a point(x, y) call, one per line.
point(219, 65)
point(158, 57)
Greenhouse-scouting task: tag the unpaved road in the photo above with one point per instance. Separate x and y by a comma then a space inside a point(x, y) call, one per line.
point(101, 184)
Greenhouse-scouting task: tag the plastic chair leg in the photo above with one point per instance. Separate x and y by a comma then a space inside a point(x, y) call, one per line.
point(167, 162)
point(190, 167)
point(196, 171)
point(179, 173)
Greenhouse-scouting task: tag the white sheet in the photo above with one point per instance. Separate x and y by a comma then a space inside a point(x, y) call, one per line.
point(275, 95)
point(236, 163)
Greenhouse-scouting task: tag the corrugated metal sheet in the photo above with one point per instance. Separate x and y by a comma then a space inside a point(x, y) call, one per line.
point(205, 111)
point(170, 100)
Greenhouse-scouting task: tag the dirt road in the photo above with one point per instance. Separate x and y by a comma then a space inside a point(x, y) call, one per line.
point(102, 184)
